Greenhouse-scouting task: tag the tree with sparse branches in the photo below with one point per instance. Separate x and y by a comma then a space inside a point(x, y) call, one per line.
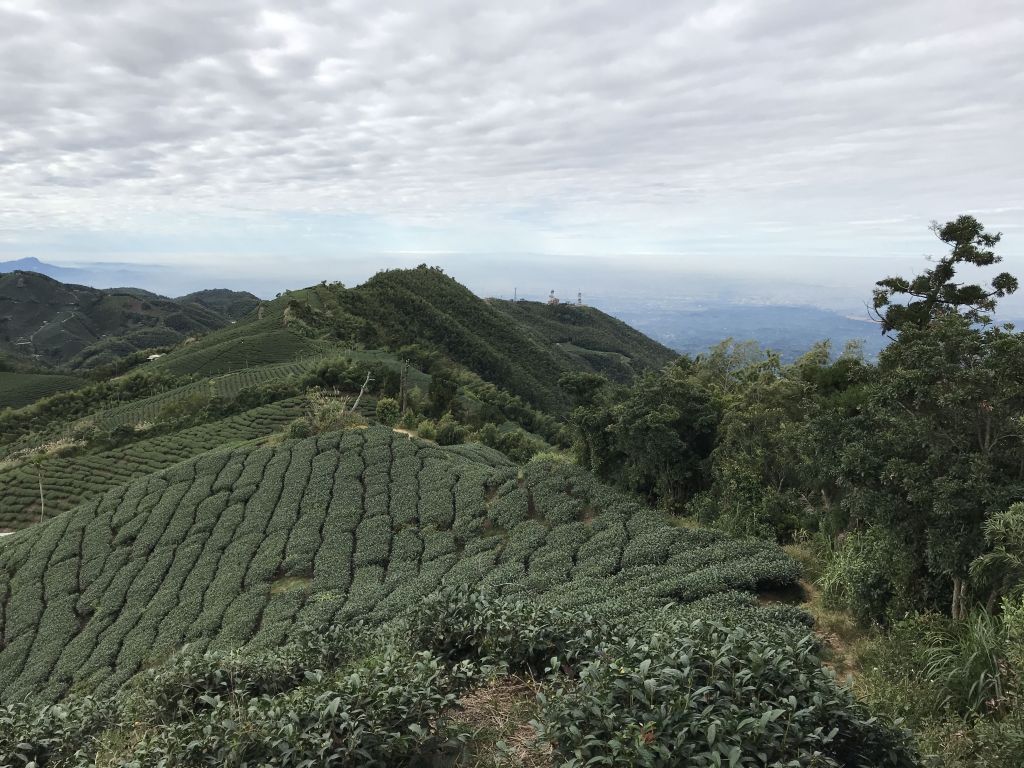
point(935, 292)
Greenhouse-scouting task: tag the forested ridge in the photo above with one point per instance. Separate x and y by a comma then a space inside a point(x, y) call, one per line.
point(397, 524)
point(44, 322)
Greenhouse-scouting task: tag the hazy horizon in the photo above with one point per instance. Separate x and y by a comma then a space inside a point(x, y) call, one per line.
point(787, 142)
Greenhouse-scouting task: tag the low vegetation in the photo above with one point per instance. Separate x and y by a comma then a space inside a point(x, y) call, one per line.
point(652, 690)
point(20, 389)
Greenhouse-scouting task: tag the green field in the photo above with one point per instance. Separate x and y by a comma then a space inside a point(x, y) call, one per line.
point(225, 385)
point(70, 480)
point(238, 348)
point(20, 389)
point(240, 547)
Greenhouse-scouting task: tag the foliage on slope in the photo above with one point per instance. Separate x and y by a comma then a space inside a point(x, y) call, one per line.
point(67, 449)
point(68, 478)
point(242, 546)
point(424, 313)
point(58, 323)
point(589, 338)
point(656, 690)
point(20, 389)
point(516, 349)
point(427, 308)
point(233, 305)
point(59, 411)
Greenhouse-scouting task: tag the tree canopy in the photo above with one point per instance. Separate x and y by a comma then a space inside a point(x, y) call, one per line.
point(935, 291)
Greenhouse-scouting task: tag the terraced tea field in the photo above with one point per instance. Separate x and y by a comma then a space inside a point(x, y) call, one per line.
point(70, 480)
point(21, 389)
point(228, 352)
point(241, 547)
point(227, 385)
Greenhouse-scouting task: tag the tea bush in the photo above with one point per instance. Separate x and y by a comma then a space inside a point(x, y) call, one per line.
point(648, 690)
point(703, 695)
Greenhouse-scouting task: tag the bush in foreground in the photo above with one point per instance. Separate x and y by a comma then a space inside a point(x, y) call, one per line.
point(656, 691)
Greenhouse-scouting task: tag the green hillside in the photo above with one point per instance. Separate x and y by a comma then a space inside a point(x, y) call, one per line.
point(239, 546)
point(60, 324)
point(20, 389)
point(590, 339)
point(66, 481)
point(233, 305)
point(517, 347)
point(522, 348)
point(220, 354)
point(213, 537)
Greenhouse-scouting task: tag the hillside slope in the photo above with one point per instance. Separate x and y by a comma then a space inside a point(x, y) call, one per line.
point(588, 337)
point(59, 324)
point(241, 547)
point(522, 349)
point(19, 389)
point(518, 346)
point(233, 305)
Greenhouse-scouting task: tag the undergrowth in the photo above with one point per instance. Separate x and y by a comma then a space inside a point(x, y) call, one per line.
point(657, 690)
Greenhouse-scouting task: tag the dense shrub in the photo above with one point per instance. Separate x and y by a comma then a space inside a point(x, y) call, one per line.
point(654, 689)
point(449, 431)
point(387, 411)
point(863, 575)
point(699, 695)
point(665, 691)
point(382, 712)
point(33, 736)
point(524, 636)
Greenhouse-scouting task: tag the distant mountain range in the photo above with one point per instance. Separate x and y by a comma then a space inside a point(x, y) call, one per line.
point(788, 330)
point(690, 325)
point(47, 321)
point(100, 275)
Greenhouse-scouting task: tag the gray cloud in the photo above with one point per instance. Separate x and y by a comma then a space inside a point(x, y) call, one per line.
point(721, 127)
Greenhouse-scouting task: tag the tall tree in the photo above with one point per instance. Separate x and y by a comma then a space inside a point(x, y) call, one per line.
point(937, 446)
point(940, 444)
point(935, 291)
point(653, 438)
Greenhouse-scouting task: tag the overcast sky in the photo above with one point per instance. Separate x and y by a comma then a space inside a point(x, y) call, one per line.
point(770, 135)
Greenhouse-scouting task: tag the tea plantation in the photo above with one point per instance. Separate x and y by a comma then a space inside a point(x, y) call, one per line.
point(20, 389)
point(226, 385)
point(66, 481)
point(243, 546)
point(215, 562)
point(227, 352)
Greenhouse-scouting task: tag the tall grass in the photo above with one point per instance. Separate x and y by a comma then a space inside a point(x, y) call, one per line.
point(968, 660)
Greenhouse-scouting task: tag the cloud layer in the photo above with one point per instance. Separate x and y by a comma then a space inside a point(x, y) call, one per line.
point(725, 128)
